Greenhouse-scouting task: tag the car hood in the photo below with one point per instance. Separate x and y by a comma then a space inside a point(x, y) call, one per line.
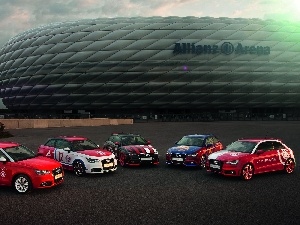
point(140, 149)
point(227, 155)
point(184, 149)
point(39, 162)
point(95, 152)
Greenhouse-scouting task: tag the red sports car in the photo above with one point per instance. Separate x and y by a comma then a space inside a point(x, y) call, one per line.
point(132, 149)
point(24, 170)
point(247, 157)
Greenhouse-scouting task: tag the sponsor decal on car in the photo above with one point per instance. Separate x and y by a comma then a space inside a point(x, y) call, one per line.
point(183, 148)
point(284, 154)
point(2, 172)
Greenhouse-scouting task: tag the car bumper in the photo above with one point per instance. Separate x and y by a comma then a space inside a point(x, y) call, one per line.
point(136, 160)
point(225, 169)
point(187, 161)
point(102, 167)
point(47, 181)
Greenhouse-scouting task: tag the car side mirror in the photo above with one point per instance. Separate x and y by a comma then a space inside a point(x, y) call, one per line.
point(209, 145)
point(148, 142)
point(2, 159)
point(259, 151)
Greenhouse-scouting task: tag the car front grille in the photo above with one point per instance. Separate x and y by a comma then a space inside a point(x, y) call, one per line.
point(215, 165)
point(57, 171)
point(56, 174)
point(178, 155)
point(108, 163)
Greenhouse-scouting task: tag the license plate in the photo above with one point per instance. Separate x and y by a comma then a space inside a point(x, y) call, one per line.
point(178, 159)
point(57, 176)
point(108, 165)
point(215, 166)
point(150, 158)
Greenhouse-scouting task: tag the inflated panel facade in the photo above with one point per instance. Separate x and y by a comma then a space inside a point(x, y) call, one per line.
point(155, 63)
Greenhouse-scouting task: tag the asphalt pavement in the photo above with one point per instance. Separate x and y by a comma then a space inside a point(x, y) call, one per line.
point(161, 194)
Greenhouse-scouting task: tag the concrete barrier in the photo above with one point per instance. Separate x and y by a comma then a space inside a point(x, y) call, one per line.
point(45, 123)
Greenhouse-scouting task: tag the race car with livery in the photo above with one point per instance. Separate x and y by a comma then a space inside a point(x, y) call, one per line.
point(79, 154)
point(193, 150)
point(246, 157)
point(22, 169)
point(132, 149)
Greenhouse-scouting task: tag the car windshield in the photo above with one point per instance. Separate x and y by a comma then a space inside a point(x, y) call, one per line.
point(79, 145)
point(241, 146)
point(133, 140)
point(20, 152)
point(191, 141)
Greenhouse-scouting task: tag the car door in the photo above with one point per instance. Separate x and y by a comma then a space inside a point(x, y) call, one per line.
point(63, 153)
point(264, 157)
point(5, 170)
point(210, 147)
point(48, 149)
point(280, 154)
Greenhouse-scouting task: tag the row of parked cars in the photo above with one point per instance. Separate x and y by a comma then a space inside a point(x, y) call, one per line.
point(25, 170)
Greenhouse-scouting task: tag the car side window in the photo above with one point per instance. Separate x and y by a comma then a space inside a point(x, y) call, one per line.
point(215, 140)
point(61, 144)
point(277, 145)
point(114, 139)
point(50, 143)
point(209, 141)
point(265, 146)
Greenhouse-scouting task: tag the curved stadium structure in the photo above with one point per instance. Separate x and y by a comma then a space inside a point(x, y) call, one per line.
point(155, 63)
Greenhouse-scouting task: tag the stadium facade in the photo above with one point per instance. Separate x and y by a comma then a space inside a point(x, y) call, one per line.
point(154, 65)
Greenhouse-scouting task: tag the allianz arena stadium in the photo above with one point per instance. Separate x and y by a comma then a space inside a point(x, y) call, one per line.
point(154, 64)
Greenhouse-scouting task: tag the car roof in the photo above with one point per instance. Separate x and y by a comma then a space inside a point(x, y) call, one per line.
point(124, 134)
point(259, 139)
point(71, 138)
point(199, 135)
point(7, 144)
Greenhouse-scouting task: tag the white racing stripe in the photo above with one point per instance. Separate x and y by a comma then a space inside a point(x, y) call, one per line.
point(147, 150)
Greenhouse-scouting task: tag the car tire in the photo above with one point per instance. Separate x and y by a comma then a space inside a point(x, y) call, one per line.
point(79, 168)
point(122, 159)
point(289, 166)
point(22, 184)
point(247, 172)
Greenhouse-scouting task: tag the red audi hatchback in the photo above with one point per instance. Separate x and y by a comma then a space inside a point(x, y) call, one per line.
point(247, 157)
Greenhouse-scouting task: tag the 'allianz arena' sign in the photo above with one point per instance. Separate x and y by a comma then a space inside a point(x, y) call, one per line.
point(226, 48)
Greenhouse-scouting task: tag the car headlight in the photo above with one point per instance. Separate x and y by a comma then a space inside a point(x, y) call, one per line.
point(233, 162)
point(42, 172)
point(90, 160)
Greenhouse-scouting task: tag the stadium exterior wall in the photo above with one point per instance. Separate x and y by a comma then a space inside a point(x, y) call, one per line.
point(153, 63)
point(48, 123)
